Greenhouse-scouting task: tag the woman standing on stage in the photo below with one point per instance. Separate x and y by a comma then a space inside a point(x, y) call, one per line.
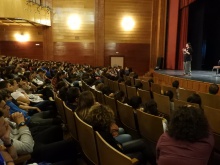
point(187, 52)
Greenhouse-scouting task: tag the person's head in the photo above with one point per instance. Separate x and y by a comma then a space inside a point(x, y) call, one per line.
point(4, 109)
point(120, 96)
point(194, 98)
point(169, 93)
point(175, 84)
point(150, 81)
point(4, 84)
point(5, 94)
point(41, 71)
point(135, 102)
point(19, 81)
point(100, 86)
point(213, 89)
point(106, 90)
point(60, 85)
point(89, 81)
point(151, 108)
point(60, 75)
point(86, 100)
point(100, 117)
point(138, 85)
point(120, 80)
point(72, 94)
point(188, 45)
point(14, 85)
point(128, 82)
point(62, 93)
point(188, 124)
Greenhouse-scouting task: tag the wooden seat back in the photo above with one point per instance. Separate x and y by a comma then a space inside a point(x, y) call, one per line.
point(109, 155)
point(87, 140)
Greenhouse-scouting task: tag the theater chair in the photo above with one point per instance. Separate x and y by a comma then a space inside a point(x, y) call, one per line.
point(109, 155)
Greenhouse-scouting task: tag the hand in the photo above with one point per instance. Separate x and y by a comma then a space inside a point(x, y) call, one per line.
point(36, 108)
point(17, 117)
point(6, 137)
point(114, 129)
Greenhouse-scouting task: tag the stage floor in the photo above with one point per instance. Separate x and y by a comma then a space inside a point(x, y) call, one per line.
point(200, 75)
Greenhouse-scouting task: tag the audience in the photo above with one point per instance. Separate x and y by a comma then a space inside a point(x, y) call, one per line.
point(102, 118)
point(175, 84)
point(40, 133)
point(213, 89)
point(195, 98)
point(151, 108)
point(72, 98)
point(169, 93)
point(188, 140)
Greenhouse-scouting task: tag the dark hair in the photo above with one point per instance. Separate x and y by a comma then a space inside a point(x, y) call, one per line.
point(72, 94)
point(128, 82)
point(138, 85)
point(106, 90)
point(17, 79)
point(5, 93)
point(151, 107)
point(188, 124)
point(169, 93)
point(1, 114)
point(60, 85)
point(86, 100)
point(195, 98)
point(213, 89)
point(3, 84)
point(175, 84)
point(62, 93)
point(135, 102)
point(119, 95)
point(41, 70)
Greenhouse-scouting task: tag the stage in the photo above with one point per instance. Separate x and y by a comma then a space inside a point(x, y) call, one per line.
point(199, 75)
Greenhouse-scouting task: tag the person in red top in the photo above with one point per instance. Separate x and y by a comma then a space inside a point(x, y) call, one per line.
point(188, 140)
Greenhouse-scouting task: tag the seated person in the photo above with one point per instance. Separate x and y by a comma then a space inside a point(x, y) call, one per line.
point(135, 102)
point(120, 96)
point(188, 140)
point(22, 139)
point(169, 93)
point(101, 118)
point(40, 118)
point(46, 143)
point(175, 84)
point(72, 98)
point(213, 89)
point(195, 98)
point(8, 152)
point(85, 102)
point(151, 108)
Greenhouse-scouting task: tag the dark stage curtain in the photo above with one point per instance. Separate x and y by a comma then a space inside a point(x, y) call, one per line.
point(183, 29)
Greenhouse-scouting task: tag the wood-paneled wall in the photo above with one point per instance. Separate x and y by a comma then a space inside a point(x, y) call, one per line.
point(139, 10)
point(22, 49)
point(136, 55)
point(62, 10)
point(93, 44)
point(7, 33)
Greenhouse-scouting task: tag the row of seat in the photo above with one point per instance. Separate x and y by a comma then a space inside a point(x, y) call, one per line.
point(125, 115)
point(94, 147)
